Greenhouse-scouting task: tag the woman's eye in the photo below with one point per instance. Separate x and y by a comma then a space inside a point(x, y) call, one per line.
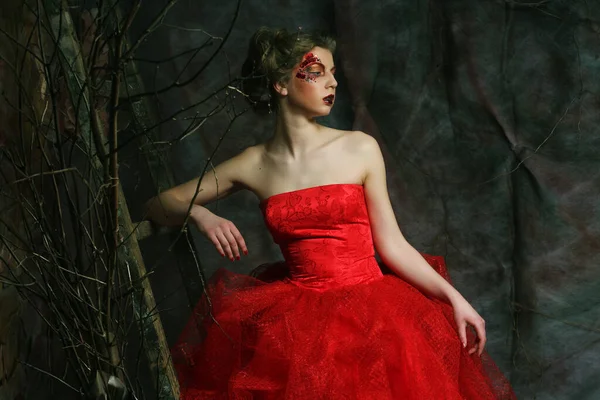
point(317, 73)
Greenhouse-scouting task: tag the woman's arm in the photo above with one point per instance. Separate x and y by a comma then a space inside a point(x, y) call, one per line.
point(400, 256)
point(389, 241)
point(174, 206)
point(171, 206)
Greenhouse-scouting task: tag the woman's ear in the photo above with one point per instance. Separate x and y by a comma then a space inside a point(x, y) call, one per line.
point(280, 88)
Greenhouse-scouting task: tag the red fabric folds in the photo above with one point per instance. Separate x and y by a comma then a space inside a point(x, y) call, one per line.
point(326, 324)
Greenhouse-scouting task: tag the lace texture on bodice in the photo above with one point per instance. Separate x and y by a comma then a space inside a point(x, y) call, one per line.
point(324, 234)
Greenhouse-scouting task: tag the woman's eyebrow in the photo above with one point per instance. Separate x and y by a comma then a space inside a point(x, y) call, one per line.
point(321, 64)
point(332, 69)
point(314, 63)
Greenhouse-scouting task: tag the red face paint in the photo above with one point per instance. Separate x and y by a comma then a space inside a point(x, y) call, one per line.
point(302, 73)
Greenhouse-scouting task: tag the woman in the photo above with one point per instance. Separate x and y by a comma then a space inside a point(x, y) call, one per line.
point(334, 327)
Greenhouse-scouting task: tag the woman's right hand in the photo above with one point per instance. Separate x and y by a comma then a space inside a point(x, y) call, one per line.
point(223, 233)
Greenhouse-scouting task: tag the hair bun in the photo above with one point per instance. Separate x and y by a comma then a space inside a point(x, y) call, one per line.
point(272, 55)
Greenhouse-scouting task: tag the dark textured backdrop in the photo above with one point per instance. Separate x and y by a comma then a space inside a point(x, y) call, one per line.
point(487, 113)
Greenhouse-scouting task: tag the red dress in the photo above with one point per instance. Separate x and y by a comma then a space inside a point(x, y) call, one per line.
point(335, 327)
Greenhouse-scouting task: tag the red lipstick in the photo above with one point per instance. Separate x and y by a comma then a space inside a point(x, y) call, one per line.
point(329, 99)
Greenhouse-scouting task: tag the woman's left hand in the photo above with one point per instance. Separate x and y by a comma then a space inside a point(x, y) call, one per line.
point(465, 315)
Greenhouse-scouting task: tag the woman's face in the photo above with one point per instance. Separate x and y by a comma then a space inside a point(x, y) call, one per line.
point(311, 87)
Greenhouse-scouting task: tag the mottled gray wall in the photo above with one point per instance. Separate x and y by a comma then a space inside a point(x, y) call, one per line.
point(487, 113)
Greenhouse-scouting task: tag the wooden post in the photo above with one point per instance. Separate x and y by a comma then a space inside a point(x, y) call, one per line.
point(162, 178)
point(129, 261)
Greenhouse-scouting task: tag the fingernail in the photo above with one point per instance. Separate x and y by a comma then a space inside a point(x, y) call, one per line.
point(238, 257)
point(246, 252)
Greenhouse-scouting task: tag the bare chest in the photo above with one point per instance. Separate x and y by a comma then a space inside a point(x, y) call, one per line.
point(315, 171)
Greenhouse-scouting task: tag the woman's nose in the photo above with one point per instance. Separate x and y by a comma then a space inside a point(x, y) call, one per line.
point(333, 82)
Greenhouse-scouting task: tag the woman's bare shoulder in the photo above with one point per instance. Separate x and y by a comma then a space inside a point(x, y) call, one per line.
point(252, 154)
point(358, 141)
point(248, 165)
point(249, 157)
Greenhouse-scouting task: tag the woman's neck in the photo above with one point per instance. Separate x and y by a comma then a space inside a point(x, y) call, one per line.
point(295, 135)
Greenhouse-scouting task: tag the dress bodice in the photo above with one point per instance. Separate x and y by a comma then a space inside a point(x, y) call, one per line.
point(324, 234)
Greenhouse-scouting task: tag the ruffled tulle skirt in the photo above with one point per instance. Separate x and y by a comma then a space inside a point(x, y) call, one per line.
point(266, 338)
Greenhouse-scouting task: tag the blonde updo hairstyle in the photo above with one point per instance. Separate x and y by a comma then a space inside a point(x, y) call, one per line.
point(272, 55)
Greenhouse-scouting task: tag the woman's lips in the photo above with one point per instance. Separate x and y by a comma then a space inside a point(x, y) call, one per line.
point(329, 99)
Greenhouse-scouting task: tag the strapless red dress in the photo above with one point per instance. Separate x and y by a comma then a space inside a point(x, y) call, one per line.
point(333, 326)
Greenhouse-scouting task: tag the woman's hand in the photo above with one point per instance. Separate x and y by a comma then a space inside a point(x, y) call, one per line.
point(223, 233)
point(465, 315)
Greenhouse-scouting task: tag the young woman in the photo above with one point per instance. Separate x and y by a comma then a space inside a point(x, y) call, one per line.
point(334, 327)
